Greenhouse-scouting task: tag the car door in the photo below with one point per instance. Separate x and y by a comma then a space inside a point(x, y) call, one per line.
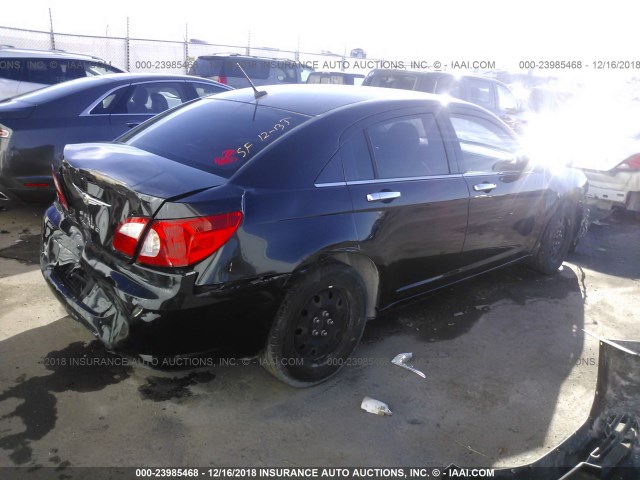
point(507, 194)
point(144, 100)
point(410, 210)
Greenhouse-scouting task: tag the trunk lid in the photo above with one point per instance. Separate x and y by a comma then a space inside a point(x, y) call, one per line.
point(11, 108)
point(106, 183)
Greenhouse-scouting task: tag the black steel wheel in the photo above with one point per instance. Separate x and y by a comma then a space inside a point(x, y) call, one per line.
point(556, 240)
point(317, 327)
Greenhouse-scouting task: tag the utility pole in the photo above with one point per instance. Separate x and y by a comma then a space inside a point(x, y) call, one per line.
point(126, 46)
point(186, 48)
point(249, 44)
point(53, 38)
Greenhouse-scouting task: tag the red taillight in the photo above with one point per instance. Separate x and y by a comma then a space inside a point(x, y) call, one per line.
point(128, 233)
point(176, 243)
point(220, 79)
point(4, 133)
point(631, 163)
point(62, 200)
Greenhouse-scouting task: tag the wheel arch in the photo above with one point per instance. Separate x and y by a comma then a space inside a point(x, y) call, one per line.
point(362, 265)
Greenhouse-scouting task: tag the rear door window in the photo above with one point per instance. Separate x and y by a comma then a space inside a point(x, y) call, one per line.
point(485, 147)
point(214, 135)
point(408, 147)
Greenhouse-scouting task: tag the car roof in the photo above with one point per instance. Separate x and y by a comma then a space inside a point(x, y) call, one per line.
point(315, 99)
point(71, 87)
point(12, 52)
point(432, 74)
point(321, 72)
point(225, 56)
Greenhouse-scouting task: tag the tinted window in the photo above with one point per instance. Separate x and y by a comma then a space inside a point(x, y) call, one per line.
point(485, 146)
point(408, 147)
point(214, 135)
point(332, 172)
point(285, 73)
point(51, 71)
point(99, 68)
point(356, 158)
point(254, 68)
point(107, 103)
point(42, 70)
point(394, 80)
point(62, 89)
point(152, 98)
point(12, 69)
point(206, 67)
point(204, 89)
point(479, 92)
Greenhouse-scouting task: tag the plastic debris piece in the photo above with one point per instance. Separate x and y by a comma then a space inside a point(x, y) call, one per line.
point(374, 406)
point(457, 314)
point(401, 360)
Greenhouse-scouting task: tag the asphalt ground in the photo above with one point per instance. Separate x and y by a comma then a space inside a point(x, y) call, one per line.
point(509, 369)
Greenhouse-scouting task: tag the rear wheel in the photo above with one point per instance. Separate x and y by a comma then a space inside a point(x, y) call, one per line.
point(556, 240)
point(317, 327)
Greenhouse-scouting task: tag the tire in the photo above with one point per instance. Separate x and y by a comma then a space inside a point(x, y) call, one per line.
point(317, 327)
point(556, 240)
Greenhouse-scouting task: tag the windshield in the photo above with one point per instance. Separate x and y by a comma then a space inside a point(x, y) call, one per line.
point(217, 136)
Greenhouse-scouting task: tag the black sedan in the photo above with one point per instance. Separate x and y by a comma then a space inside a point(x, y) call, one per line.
point(293, 217)
point(35, 127)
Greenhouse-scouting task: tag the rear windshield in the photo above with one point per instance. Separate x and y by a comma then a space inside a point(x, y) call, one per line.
point(403, 81)
point(256, 68)
point(217, 136)
point(408, 81)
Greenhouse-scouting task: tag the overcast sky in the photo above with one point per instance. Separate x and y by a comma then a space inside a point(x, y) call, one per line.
point(465, 29)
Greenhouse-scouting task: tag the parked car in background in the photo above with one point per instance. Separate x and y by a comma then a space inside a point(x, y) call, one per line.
point(615, 184)
point(23, 70)
point(336, 78)
point(486, 92)
point(290, 218)
point(35, 127)
point(223, 68)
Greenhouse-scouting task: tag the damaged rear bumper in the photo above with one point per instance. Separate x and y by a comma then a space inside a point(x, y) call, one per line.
point(151, 313)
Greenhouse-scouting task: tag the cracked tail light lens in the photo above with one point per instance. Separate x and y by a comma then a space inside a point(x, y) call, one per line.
point(128, 234)
point(175, 243)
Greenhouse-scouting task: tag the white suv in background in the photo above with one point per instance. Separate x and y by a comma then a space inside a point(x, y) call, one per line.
point(24, 70)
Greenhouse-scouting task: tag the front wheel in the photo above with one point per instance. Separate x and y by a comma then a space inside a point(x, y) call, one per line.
point(317, 327)
point(556, 241)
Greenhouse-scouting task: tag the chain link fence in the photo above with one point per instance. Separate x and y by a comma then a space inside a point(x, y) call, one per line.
point(161, 56)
